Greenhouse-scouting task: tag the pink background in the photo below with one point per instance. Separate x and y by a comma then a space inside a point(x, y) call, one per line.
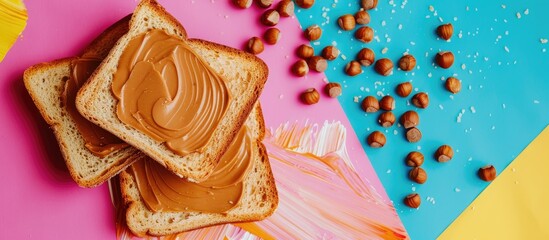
point(39, 199)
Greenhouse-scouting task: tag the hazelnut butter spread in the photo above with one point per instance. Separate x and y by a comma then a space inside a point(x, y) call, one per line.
point(161, 190)
point(100, 142)
point(169, 93)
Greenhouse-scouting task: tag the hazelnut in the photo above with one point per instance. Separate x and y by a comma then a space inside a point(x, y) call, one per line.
point(362, 17)
point(270, 17)
point(445, 31)
point(300, 68)
point(384, 66)
point(444, 59)
point(364, 34)
point(305, 3)
point(242, 3)
point(409, 119)
point(286, 8)
point(313, 33)
point(414, 159)
point(305, 51)
point(404, 89)
point(387, 103)
point(310, 96)
point(418, 175)
point(368, 4)
point(453, 85)
point(346, 22)
point(444, 153)
point(271, 36)
point(366, 57)
point(413, 135)
point(376, 139)
point(487, 173)
point(333, 89)
point(420, 100)
point(370, 104)
point(330, 53)
point(317, 63)
point(255, 45)
point(386, 119)
point(413, 200)
point(407, 63)
point(264, 3)
point(353, 68)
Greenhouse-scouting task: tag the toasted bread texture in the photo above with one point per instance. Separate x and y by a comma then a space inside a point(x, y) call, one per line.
point(244, 75)
point(45, 83)
point(259, 198)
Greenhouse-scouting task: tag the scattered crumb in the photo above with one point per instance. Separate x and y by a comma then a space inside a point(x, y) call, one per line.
point(536, 102)
point(395, 132)
point(413, 189)
point(281, 96)
point(460, 114)
point(457, 190)
point(543, 40)
point(463, 66)
point(473, 110)
point(527, 11)
point(503, 6)
point(441, 107)
point(518, 15)
point(384, 50)
point(503, 106)
point(506, 48)
point(388, 171)
point(493, 127)
point(343, 57)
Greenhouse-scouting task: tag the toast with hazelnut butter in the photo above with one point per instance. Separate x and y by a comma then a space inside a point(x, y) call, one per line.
point(240, 189)
point(181, 101)
point(52, 86)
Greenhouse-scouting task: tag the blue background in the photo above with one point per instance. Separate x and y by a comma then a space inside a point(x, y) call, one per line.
point(504, 96)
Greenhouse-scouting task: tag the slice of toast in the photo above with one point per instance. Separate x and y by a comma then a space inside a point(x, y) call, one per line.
point(259, 197)
point(244, 75)
point(45, 83)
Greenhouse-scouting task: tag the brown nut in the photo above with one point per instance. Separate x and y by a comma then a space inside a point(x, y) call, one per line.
point(445, 31)
point(353, 68)
point(305, 51)
point(370, 104)
point(487, 173)
point(409, 119)
point(420, 100)
point(407, 63)
point(362, 17)
point(271, 36)
point(317, 63)
point(414, 159)
point(313, 33)
point(384, 66)
point(333, 89)
point(242, 3)
point(305, 3)
point(444, 59)
point(386, 119)
point(310, 96)
point(346, 22)
point(286, 8)
point(255, 45)
point(413, 135)
point(330, 53)
point(376, 139)
point(365, 57)
point(404, 89)
point(264, 3)
point(368, 4)
point(300, 68)
point(270, 17)
point(364, 34)
point(413, 200)
point(453, 85)
point(444, 153)
point(387, 103)
point(418, 175)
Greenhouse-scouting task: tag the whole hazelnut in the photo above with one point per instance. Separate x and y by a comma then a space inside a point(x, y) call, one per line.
point(386, 119)
point(384, 66)
point(418, 175)
point(333, 89)
point(413, 135)
point(487, 173)
point(414, 159)
point(330, 53)
point(444, 153)
point(255, 46)
point(362, 17)
point(271, 36)
point(317, 63)
point(286, 8)
point(242, 3)
point(368, 4)
point(313, 33)
point(305, 3)
point(366, 57)
point(300, 68)
point(305, 51)
point(413, 200)
point(444, 59)
point(445, 31)
point(264, 3)
point(364, 34)
point(387, 103)
point(404, 89)
point(353, 68)
point(407, 63)
point(409, 119)
point(420, 100)
point(346, 22)
point(270, 17)
point(453, 85)
point(310, 96)
point(376, 139)
point(370, 104)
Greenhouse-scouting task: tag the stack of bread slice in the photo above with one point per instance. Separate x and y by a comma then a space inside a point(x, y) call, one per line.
point(244, 76)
